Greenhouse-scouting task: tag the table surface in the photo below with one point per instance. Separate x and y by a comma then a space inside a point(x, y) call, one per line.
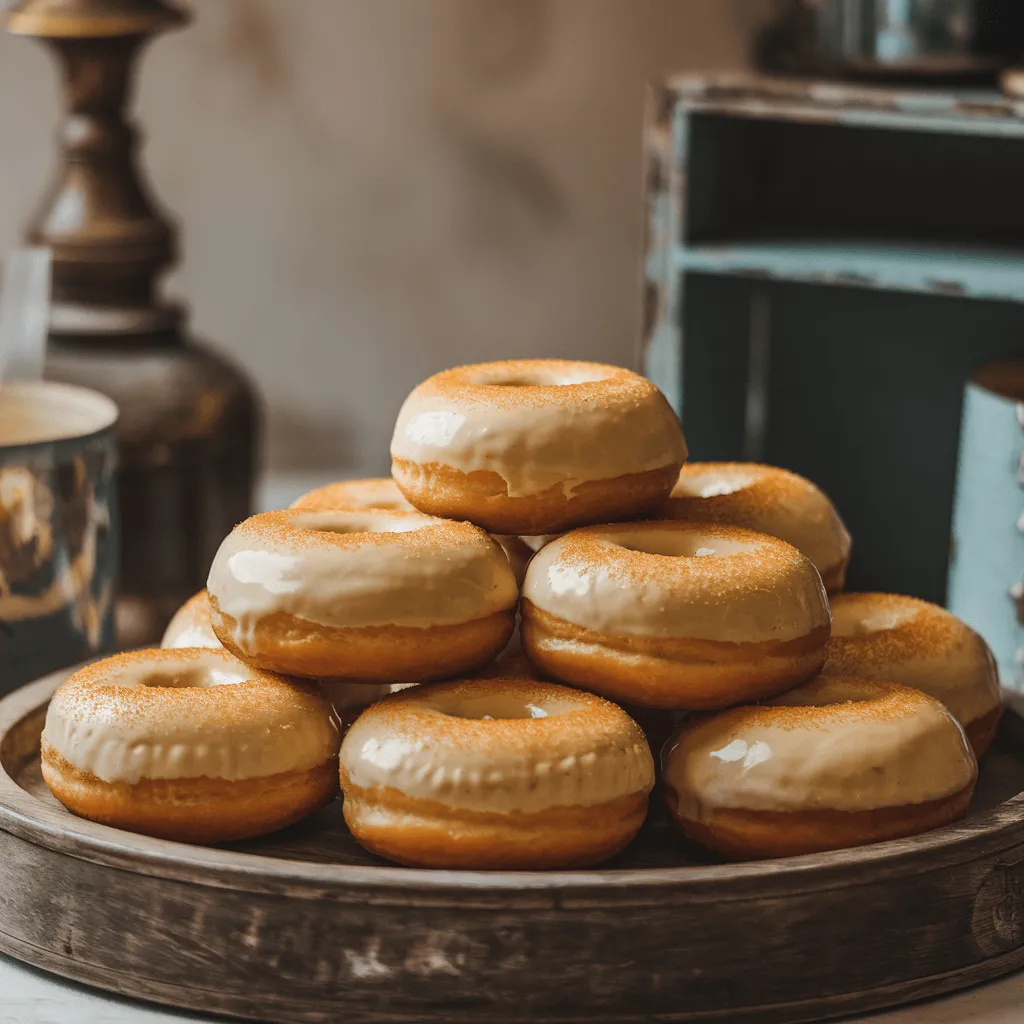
point(28, 996)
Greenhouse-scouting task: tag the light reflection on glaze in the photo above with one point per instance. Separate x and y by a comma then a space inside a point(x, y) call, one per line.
point(267, 569)
point(739, 750)
point(435, 429)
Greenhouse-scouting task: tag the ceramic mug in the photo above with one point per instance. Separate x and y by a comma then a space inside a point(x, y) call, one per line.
point(58, 529)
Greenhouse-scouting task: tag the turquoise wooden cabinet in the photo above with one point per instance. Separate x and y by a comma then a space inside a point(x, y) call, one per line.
point(826, 267)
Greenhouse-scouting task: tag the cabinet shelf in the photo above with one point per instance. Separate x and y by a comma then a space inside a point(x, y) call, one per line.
point(992, 274)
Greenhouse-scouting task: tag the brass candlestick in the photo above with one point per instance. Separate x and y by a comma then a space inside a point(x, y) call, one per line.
point(189, 420)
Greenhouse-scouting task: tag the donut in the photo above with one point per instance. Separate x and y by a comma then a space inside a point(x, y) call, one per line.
point(837, 762)
point(674, 615)
point(189, 745)
point(374, 596)
point(191, 625)
point(499, 773)
point(904, 640)
point(766, 500)
point(383, 493)
point(536, 446)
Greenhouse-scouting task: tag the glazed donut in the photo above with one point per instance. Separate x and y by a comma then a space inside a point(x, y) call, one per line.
point(674, 615)
point(189, 745)
point(361, 596)
point(491, 774)
point(536, 445)
point(191, 625)
point(383, 493)
point(904, 640)
point(766, 500)
point(837, 762)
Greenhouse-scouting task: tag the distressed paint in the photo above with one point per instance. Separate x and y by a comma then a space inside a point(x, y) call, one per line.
point(737, 95)
point(979, 274)
point(988, 546)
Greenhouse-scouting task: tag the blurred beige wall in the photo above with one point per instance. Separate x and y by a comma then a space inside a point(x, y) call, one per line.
point(374, 189)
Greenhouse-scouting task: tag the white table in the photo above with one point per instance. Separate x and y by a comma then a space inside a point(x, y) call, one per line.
point(28, 996)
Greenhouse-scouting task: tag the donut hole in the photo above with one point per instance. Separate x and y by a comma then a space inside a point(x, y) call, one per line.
point(519, 382)
point(545, 378)
point(849, 620)
point(675, 544)
point(826, 692)
point(713, 484)
point(186, 677)
point(494, 707)
point(347, 521)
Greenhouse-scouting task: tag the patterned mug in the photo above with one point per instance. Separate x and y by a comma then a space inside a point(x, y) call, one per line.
point(58, 528)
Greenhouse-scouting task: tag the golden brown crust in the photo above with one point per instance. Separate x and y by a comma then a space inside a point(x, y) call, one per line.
point(668, 672)
point(378, 654)
point(192, 810)
point(424, 833)
point(482, 497)
point(754, 835)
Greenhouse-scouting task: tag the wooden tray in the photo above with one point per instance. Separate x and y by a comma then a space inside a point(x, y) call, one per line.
point(306, 926)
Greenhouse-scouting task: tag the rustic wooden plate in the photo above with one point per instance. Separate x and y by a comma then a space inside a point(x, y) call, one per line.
point(306, 926)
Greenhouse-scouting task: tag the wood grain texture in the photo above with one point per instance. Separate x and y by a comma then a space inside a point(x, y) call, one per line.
point(306, 927)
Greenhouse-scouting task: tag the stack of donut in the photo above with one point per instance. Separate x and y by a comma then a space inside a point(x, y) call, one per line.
point(551, 496)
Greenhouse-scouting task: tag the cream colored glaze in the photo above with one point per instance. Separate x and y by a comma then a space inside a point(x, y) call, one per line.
point(765, 499)
point(900, 748)
point(350, 569)
point(905, 640)
point(544, 746)
point(539, 424)
point(191, 625)
point(222, 720)
point(708, 583)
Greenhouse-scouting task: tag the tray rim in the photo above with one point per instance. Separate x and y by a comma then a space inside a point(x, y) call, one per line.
point(24, 816)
